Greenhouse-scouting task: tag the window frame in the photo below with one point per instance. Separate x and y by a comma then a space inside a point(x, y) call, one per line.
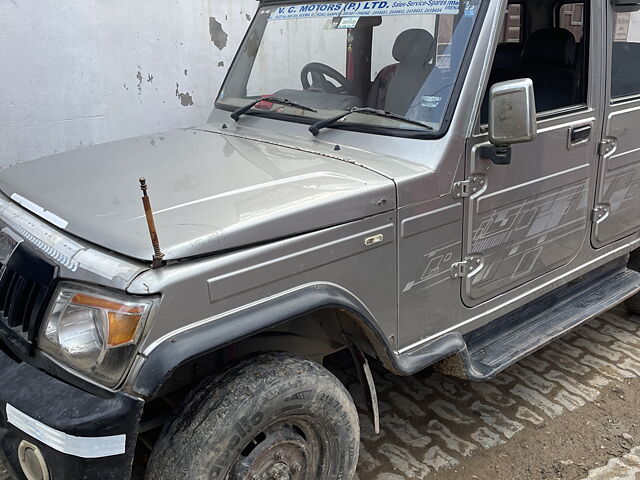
point(483, 128)
point(613, 101)
point(587, 14)
point(587, 11)
point(452, 107)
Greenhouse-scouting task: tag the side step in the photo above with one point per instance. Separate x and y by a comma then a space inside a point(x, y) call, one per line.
point(503, 342)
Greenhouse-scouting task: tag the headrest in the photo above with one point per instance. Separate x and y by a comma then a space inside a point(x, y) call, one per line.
point(415, 45)
point(554, 47)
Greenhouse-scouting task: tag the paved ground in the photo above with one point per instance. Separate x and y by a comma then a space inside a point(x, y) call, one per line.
point(570, 411)
point(626, 467)
point(557, 414)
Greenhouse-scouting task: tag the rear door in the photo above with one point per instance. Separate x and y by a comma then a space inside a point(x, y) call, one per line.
point(617, 209)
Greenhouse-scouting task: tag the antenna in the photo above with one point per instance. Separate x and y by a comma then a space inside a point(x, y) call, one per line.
point(148, 211)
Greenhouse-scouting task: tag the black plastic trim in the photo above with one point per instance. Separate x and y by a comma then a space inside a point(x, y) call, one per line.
point(204, 339)
point(27, 283)
point(71, 411)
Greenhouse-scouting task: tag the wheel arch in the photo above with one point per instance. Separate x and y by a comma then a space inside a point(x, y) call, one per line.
point(203, 344)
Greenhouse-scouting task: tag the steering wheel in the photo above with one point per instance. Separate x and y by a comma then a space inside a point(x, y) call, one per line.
point(319, 83)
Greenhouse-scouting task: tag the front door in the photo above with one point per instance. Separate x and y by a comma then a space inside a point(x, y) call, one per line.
point(617, 209)
point(528, 218)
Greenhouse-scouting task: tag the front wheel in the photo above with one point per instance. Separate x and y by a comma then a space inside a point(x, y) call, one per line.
point(273, 417)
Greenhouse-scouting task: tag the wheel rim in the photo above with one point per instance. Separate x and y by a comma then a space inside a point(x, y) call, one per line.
point(294, 448)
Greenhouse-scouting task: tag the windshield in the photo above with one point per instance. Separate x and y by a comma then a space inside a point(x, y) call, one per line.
point(401, 57)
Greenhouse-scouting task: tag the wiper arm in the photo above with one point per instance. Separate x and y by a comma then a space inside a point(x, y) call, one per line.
point(281, 101)
point(316, 127)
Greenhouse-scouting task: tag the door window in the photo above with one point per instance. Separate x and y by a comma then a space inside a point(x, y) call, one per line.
point(625, 59)
point(555, 57)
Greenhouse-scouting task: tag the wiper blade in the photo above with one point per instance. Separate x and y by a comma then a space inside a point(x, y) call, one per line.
point(281, 101)
point(316, 127)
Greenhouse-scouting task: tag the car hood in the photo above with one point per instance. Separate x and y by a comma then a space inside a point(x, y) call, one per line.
point(210, 192)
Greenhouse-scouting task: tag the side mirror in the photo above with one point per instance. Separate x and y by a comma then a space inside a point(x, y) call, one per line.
point(512, 113)
point(512, 118)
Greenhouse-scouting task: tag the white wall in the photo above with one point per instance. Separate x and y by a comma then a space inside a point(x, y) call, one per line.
point(80, 72)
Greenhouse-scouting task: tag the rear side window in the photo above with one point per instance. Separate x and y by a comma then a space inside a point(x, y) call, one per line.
point(513, 24)
point(625, 58)
point(571, 17)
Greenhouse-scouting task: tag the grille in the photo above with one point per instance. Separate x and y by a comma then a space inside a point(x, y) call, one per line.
point(26, 284)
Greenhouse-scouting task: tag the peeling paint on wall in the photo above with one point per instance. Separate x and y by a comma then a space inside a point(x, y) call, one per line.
point(139, 77)
point(218, 36)
point(186, 100)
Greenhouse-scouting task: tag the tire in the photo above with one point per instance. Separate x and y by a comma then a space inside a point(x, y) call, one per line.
point(268, 417)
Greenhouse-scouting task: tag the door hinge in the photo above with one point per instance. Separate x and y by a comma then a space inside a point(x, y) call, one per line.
point(606, 146)
point(469, 187)
point(599, 213)
point(468, 267)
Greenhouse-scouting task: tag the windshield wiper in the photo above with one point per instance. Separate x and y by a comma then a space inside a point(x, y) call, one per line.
point(281, 101)
point(316, 127)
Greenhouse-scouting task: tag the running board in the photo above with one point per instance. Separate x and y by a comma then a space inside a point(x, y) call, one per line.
point(503, 342)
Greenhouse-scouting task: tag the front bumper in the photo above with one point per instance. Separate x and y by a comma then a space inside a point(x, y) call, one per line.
point(81, 436)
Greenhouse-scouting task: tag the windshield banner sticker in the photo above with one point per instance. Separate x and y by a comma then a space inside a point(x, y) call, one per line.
point(367, 9)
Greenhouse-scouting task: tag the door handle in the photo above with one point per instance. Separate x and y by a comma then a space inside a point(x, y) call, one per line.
point(579, 135)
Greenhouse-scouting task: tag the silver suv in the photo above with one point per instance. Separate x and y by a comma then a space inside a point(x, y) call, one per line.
point(422, 183)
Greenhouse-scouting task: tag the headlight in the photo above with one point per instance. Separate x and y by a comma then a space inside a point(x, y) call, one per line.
point(94, 331)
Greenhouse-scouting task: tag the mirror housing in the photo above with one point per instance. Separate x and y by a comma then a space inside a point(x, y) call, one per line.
point(512, 113)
